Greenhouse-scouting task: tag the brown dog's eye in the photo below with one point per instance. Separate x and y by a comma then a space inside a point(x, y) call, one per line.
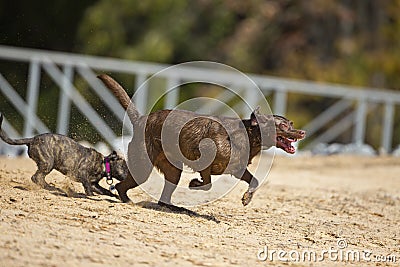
point(284, 127)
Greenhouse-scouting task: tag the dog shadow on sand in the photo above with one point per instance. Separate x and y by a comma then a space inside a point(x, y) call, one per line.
point(177, 210)
point(63, 192)
point(68, 192)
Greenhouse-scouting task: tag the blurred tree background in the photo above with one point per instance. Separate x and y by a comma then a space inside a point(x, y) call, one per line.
point(341, 41)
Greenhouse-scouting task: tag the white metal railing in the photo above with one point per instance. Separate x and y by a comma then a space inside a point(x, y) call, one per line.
point(61, 67)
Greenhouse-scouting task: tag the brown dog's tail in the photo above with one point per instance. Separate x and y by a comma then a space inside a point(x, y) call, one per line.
point(122, 96)
point(8, 140)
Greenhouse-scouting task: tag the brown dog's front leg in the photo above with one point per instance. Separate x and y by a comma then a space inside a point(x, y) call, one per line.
point(253, 184)
point(124, 186)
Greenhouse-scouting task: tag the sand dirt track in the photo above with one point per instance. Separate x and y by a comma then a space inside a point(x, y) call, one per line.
point(308, 204)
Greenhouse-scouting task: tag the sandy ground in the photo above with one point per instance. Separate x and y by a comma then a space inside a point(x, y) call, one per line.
point(337, 205)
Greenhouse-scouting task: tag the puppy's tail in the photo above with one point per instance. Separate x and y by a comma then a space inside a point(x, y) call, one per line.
point(122, 96)
point(8, 140)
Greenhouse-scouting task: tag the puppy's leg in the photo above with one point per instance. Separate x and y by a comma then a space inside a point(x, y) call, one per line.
point(87, 186)
point(39, 179)
point(253, 184)
point(206, 184)
point(44, 168)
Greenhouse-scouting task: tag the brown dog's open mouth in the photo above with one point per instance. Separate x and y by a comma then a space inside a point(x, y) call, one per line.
point(286, 144)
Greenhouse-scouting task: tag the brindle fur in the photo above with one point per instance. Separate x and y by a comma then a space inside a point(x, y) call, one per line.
point(81, 164)
point(145, 150)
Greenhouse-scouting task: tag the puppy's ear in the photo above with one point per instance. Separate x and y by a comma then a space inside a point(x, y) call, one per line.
point(113, 155)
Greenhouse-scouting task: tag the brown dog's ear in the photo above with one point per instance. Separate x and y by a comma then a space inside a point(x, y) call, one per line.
point(253, 117)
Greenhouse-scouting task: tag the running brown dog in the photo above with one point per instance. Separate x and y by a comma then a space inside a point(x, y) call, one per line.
point(82, 164)
point(235, 142)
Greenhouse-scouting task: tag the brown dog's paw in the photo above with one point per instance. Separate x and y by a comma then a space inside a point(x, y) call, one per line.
point(247, 196)
point(196, 184)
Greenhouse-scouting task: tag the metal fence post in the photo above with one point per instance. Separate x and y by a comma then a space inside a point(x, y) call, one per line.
point(32, 96)
point(141, 93)
point(172, 93)
point(280, 102)
point(251, 100)
point(360, 122)
point(387, 129)
point(64, 106)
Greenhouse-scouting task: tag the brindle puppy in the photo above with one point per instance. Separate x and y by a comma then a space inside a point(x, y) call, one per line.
point(82, 164)
point(236, 142)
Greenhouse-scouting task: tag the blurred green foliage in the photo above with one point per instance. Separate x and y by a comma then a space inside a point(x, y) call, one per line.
point(341, 41)
point(352, 42)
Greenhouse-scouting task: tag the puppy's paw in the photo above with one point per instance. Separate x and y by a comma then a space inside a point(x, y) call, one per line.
point(34, 186)
point(247, 196)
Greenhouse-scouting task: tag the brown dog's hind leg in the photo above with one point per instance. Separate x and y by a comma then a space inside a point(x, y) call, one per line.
point(172, 176)
point(196, 184)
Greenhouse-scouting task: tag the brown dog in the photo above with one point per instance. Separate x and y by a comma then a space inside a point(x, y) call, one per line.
point(167, 139)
